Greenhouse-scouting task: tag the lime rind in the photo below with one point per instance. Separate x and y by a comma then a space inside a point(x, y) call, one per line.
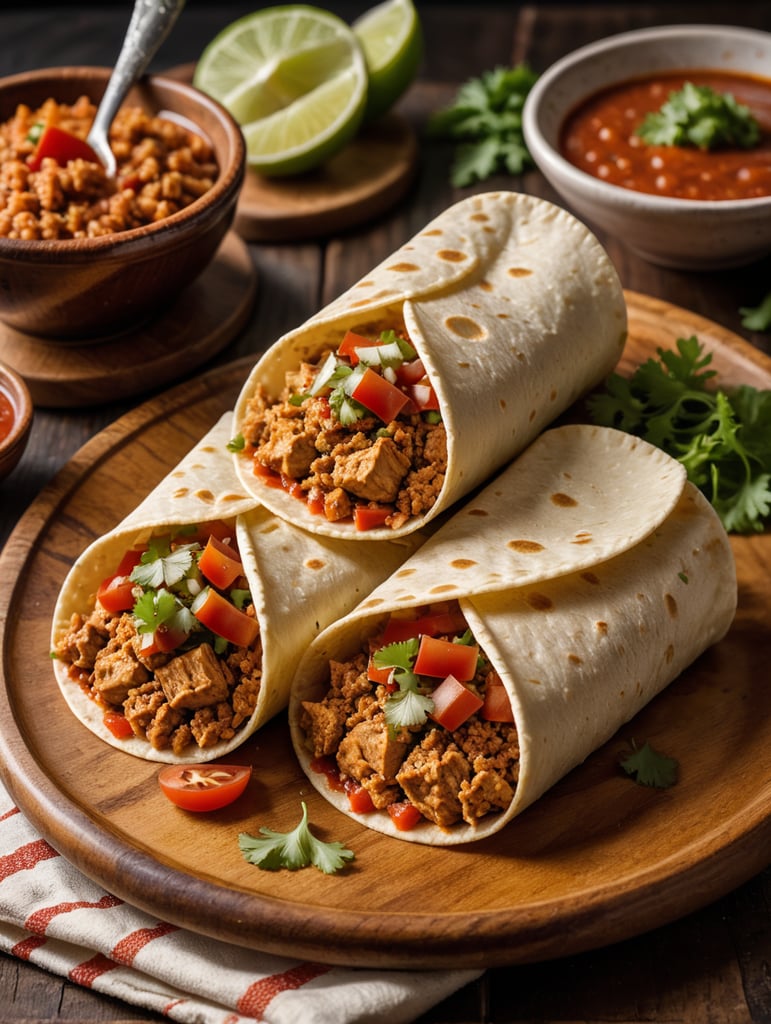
point(391, 37)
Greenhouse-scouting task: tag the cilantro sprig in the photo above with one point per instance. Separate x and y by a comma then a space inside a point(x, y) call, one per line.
point(697, 115)
point(162, 565)
point(485, 124)
point(408, 705)
point(723, 439)
point(649, 767)
point(299, 848)
point(757, 318)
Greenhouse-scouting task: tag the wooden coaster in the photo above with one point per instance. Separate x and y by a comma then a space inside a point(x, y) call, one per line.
point(360, 183)
point(207, 315)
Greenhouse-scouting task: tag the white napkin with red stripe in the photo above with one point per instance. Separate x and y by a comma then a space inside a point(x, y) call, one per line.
point(56, 918)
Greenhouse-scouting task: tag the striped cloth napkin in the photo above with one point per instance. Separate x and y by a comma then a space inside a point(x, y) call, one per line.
point(55, 917)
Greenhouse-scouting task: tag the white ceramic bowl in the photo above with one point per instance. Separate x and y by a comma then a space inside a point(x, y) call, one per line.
point(684, 233)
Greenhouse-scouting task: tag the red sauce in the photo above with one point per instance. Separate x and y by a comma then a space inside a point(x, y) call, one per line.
point(599, 138)
point(7, 416)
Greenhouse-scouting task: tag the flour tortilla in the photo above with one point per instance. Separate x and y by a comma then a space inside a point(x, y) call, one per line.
point(591, 573)
point(514, 308)
point(299, 582)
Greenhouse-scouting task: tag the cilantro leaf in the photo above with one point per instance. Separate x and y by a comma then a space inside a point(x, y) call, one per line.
point(401, 654)
point(162, 608)
point(161, 566)
point(649, 767)
point(723, 439)
point(484, 122)
point(236, 444)
point(757, 318)
point(299, 848)
point(697, 115)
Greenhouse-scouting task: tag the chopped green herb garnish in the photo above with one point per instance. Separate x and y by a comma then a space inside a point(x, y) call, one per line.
point(236, 444)
point(162, 608)
point(650, 768)
point(160, 565)
point(272, 851)
point(697, 115)
point(757, 318)
point(485, 123)
point(723, 439)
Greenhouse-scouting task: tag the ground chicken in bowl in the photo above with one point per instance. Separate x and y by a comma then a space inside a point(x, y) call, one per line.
point(162, 168)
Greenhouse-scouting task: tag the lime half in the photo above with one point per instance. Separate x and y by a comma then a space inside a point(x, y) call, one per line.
point(295, 79)
point(392, 40)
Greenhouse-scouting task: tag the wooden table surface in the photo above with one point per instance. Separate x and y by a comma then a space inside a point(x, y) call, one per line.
point(713, 967)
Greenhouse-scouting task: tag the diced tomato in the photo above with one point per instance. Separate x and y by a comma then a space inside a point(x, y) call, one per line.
point(118, 724)
point(365, 517)
point(147, 645)
point(350, 343)
point(130, 561)
point(167, 639)
point(381, 676)
point(203, 787)
point(224, 619)
point(404, 815)
point(116, 594)
point(61, 146)
point(497, 706)
point(218, 528)
point(423, 397)
point(315, 501)
point(359, 799)
point(293, 487)
point(411, 373)
point(453, 703)
point(442, 658)
point(220, 563)
point(379, 395)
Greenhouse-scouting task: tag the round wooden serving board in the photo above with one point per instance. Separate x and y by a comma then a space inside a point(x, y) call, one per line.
point(194, 327)
point(596, 860)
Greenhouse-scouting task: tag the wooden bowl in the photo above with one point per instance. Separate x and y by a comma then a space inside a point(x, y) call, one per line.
point(91, 287)
point(12, 444)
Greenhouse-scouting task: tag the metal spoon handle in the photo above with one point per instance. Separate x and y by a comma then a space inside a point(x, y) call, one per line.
point(151, 22)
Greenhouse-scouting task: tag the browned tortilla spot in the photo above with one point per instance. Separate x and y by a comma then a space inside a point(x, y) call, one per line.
point(486, 286)
point(601, 627)
point(479, 216)
point(365, 284)
point(315, 563)
point(405, 572)
point(670, 653)
point(181, 492)
point(232, 497)
point(478, 512)
point(582, 538)
point(431, 234)
point(519, 272)
point(535, 682)
point(563, 500)
point(465, 328)
point(671, 604)
point(590, 577)
point(452, 255)
point(526, 547)
point(205, 496)
point(540, 602)
point(373, 602)
point(462, 563)
point(444, 588)
point(502, 316)
point(575, 660)
point(404, 268)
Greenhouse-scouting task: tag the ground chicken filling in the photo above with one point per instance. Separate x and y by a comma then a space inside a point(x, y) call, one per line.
point(158, 667)
point(459, 763)
point(162, 167)
point(357, 435)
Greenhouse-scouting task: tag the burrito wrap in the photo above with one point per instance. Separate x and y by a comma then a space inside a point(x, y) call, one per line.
point(299, 582)
point(591, 573)
point(513, 307)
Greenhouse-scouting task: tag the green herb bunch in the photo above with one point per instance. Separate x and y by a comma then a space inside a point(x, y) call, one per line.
point(723, 439)
point(699, 116)
point(485, 124)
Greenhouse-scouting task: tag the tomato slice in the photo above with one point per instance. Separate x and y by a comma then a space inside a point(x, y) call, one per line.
point(381, 676)
point(351, 341)
point(404, 815)
point(379, 395)
point(411, 373)
point(224, 619)
point(203, 787)
point(454, 703)
point(365, 517)
point(220, 563)
point(443, 658)
point(497, 706)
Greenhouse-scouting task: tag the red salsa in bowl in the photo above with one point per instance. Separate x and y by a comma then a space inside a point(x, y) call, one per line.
point(600, 138)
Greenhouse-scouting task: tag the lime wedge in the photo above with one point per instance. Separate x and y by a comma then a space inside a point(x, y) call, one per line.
point(295, 79)
point(392, 40)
